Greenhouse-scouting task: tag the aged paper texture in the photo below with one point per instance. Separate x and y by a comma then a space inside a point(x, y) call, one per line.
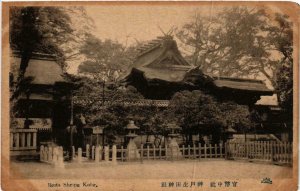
point(150, 96)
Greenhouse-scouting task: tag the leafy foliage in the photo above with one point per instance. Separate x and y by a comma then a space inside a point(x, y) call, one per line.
point(47, 30)
point(285, 88)
point(105, 59)
point(284, 75)
point(195, 112)
point(38, 29)
point(238, 41)
point(114, 115)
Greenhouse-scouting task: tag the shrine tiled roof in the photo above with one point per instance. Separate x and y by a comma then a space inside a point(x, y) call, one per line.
point(42, 68)
point(157, 50)
point(241, 84)
point(163, 74)
point(160, 59)
point(44, 71)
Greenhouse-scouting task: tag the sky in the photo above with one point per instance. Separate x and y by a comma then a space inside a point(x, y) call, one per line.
point(142, 22)
point(129, 24)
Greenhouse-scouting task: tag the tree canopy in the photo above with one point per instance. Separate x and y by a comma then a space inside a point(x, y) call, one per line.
point(198, 112)
point(114, 114)
point(105, 60)
point(48, 30)
point(238, 41)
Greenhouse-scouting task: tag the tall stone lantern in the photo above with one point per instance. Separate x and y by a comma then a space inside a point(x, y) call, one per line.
point(132, 151)
point(174, 150)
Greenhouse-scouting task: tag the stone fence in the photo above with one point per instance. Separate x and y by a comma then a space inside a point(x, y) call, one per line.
point(95, 154)
point(52, 155)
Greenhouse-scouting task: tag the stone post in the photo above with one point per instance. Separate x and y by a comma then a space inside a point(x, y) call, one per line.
point(93, 152)
point(97, 154)
point(50, 154)
point(55, 155)
point(87, 151)
point(73, 152)
point(106, 153)
point(114, 154)
point(60, 158)
point(79, 155)
point(100, 153)
point(46, 154)
point(28, 139)
point(42, 153)
point(34, 139)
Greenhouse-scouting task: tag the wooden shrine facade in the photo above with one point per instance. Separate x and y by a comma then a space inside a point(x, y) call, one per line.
point(160, 70)
point(42, 103)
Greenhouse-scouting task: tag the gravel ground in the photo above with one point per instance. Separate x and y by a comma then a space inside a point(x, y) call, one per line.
point(151, 170)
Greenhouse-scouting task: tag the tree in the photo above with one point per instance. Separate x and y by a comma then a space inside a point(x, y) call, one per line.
point(47, 30)
point(238, 41)
point(38, 29)
point(105, 59)
point(197, 112)
point(283, 36)
point(114, 114)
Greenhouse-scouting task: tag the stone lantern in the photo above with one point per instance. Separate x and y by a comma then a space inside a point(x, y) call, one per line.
point(229, 131)
point(174, 150)
point(132, 151)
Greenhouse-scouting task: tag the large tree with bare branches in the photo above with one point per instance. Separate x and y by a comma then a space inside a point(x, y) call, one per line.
point(238, 41)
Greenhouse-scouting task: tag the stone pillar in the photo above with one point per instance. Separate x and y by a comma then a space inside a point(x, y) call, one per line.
point(50, 154)
point(28, 139)
point(55, 155)
point(73, 152)
point(87, 151)
point(79, 155)
point(106, 153)
point(34, 139)
point(100, 153)
point(114, 154)
point(93, 152)
point(97, 154)
point(46, 154)
point(60, 158)
point(42, 153)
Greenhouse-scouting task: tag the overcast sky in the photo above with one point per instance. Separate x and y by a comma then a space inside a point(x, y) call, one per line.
point(128, 23)
point(141, 22)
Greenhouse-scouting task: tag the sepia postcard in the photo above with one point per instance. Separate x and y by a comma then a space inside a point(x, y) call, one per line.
point(144, 96)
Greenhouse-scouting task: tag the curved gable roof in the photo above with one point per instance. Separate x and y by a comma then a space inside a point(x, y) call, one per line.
point(45, 72)
point(157, 50)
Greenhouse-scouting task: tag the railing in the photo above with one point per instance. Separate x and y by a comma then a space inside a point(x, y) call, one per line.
point(268, 151)
point(277, 153)
point(119, 153)
point(23, 141)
